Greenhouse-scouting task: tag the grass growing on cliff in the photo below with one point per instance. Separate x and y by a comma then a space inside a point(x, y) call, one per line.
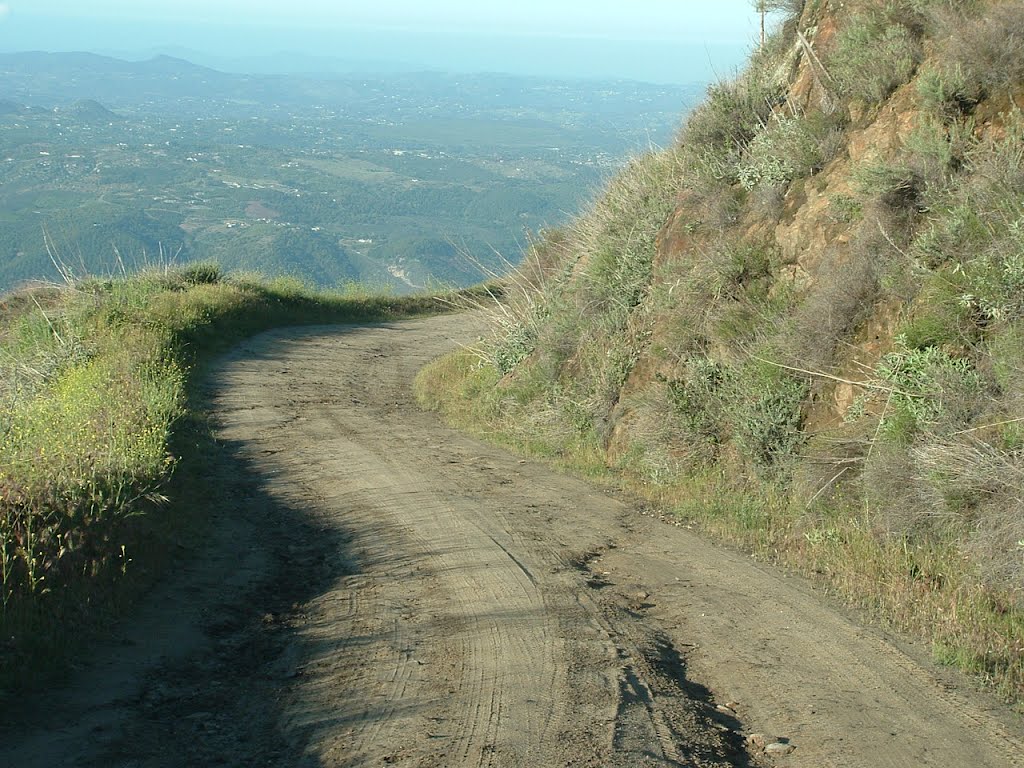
point(95, 393)
point(822, 357)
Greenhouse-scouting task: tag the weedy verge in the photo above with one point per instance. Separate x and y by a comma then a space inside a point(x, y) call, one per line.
point(99, 414)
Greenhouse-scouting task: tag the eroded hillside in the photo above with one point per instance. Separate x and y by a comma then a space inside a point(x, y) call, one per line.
point(802, 324)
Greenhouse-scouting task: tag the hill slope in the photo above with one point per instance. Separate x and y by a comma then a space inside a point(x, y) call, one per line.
point(801, 325)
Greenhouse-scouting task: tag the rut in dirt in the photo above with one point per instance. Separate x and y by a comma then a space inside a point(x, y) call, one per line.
point(386, 591)
point(464, 635)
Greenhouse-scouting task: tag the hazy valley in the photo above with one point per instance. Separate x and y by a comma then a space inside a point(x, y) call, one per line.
point(396, 180)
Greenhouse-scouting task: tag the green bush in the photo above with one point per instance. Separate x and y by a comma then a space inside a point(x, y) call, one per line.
point(898, 188)
point(789, 148)
point(845, 209)
point(931, 390)
point(731, 115)
point(696, 398)
point(940, 323)
point(996, 281)
point(617, 236)
point(742, 269)
point(952, 237)
point(517, 343)
point(976, 235)
point(1005, 349)
point(946, 93)
point(718, 132)
point(765, 409)
point(201, 273)
point(938, 151)
point(875, 53)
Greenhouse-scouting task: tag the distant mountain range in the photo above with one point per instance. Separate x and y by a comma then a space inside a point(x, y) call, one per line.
point(54, 78)
point(277, 63)
point(36, 77)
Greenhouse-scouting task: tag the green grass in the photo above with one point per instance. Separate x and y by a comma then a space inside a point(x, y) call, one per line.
point(97, 409)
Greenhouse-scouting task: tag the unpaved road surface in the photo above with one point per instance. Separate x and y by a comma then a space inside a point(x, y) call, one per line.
point(385, 591)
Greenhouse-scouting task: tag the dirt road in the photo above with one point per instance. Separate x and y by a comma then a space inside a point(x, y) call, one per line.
point(387, 591)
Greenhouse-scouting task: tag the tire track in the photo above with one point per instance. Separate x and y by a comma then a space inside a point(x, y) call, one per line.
point(459, 531)
point(513, 622)
point(386, 591)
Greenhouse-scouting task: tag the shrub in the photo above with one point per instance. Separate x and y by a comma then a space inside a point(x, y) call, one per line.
point(517, 343)
point(616, 237)
point(875, 53)
point(938, 151)
point(889, 488)
point(939, 323)
point(931, 390)
point(519, 306)
point(997, 282)
point(990, 49)
point(764, 407)
point(731, 115)
point(201, 273)
point(973, 483)
point(741, 269)
point(789, 148)
point(777, 154)
point(719, 131)
point(1005, 350)
point(845, 209)
point(962, 471)
point(976, 239)
point(946, 93)
point(833, 306)
point(789, 9)
point(897, 188)
point(950, 237)
point(696, 397)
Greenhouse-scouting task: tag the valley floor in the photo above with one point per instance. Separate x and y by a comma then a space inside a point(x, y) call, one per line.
point(386, 591)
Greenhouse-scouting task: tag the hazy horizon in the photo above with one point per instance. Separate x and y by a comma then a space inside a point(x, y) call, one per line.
point(651, 40)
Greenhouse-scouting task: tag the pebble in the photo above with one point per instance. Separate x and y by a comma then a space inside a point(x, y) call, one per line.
point(773, 746)
point(778, 749)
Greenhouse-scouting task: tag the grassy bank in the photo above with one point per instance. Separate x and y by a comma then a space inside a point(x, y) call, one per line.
point(98, 410)
point(800, 325)
point(923, 585)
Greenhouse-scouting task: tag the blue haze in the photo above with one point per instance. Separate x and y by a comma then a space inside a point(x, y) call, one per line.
point(263, 48)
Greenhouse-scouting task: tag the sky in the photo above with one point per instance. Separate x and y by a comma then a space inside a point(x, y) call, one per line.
point(659, 40)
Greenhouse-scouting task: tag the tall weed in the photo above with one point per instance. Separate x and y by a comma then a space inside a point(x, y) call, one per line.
point(94, 381)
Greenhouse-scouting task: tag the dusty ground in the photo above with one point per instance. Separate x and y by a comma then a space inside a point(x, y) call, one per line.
point(385, 591)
